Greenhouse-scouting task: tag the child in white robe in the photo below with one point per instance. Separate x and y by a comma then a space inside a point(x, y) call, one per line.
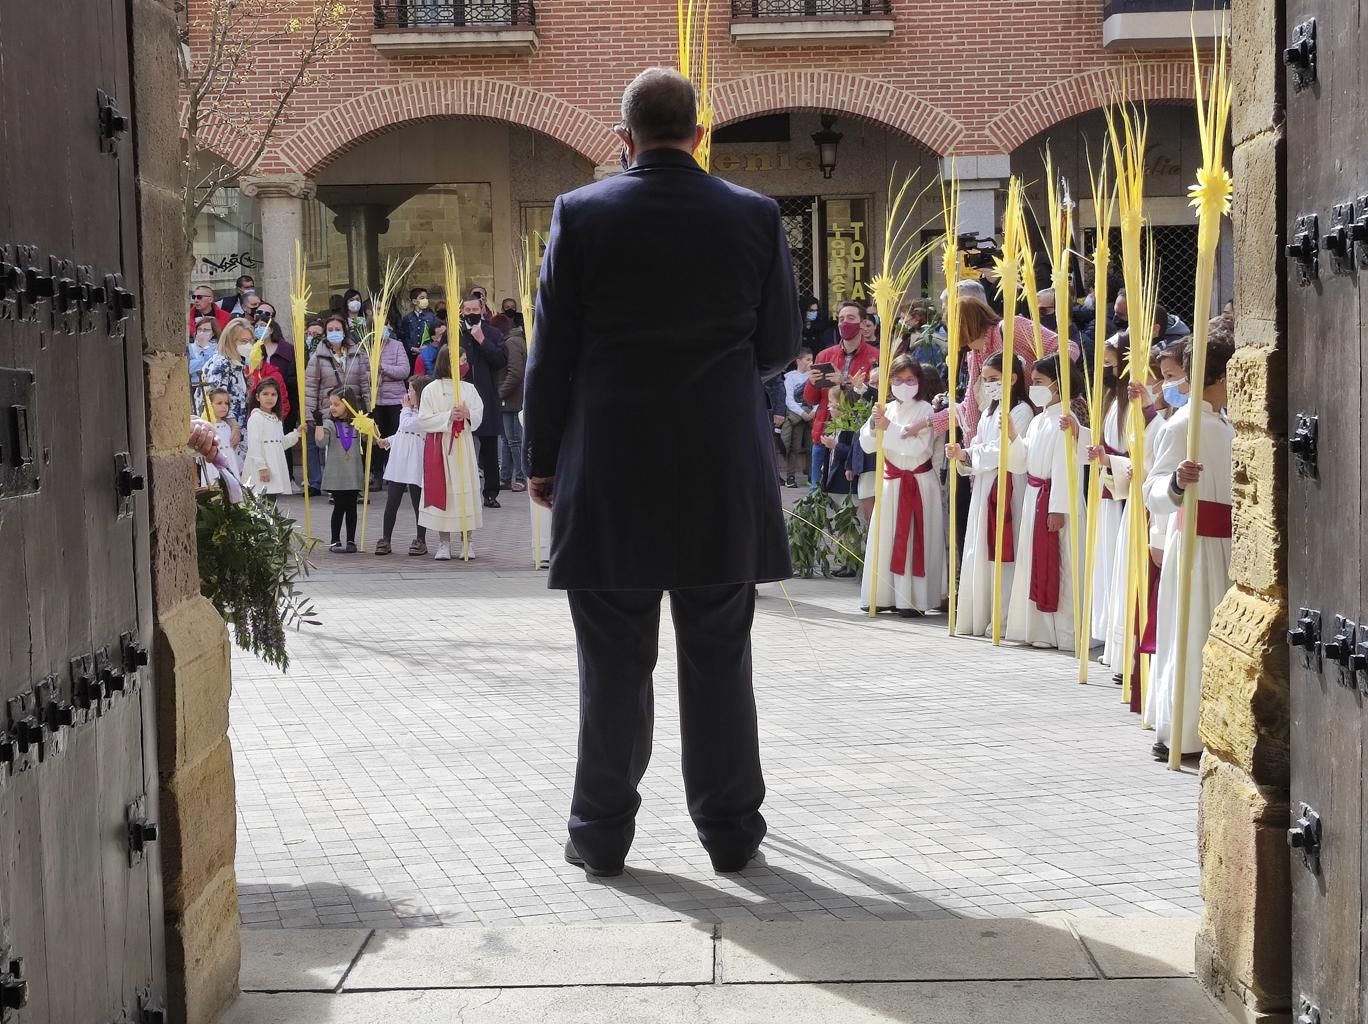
point(1114, 442)
point(404, 469)
point(1169, 478)
point(974, 600)
point(911, 549)
point(218, 404)
point(265, 470)
point(1041, 612)
point(451, 479)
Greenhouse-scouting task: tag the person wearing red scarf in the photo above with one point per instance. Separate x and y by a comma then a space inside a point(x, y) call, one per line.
point(911, 539)
point(1040, 610)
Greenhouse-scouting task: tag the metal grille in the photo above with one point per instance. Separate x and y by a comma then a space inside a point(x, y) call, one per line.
point(797, 213)
point(1175, 248)
point(810, 8)
point(470, 13)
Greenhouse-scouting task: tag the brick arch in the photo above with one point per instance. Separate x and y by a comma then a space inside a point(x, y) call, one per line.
point(856, 95)
point(1088, 91)
point(328, 136)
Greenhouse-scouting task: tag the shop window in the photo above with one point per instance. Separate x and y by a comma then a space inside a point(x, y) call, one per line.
point(227, 240)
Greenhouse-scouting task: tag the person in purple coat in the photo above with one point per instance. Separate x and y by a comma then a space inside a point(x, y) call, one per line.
point(389, 396)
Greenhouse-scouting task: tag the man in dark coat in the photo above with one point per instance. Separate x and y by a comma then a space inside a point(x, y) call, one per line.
point(666, 298)
point(484, 347)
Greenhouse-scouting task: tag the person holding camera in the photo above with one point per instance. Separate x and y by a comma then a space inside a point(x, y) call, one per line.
point(849, 361)
point(485, 351)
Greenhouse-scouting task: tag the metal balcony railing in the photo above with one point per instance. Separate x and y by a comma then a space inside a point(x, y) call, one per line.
point(1113, 7)
point(811, 9)
point(421, 14)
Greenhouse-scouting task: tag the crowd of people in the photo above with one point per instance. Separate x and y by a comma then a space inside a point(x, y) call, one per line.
point(838, 370)
point(446, 419)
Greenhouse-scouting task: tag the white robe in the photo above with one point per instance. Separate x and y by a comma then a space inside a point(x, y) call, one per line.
point(1046, 453)
point(462, 513)
point(405, 462)
point(974, 600)
point(920, 593)
point(540, 521)
point(1123, 468)
point(1210, 567)
point(1108, 531)
point(266, 445)
point(224, 433)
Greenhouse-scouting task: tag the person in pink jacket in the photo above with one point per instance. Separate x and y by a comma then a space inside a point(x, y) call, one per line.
point(395, 370)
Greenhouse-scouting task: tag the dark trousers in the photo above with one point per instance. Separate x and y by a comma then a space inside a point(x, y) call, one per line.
point(387, 420)
point(394, 498)
point(618, 632)
point(344, 513)
point(488, 448)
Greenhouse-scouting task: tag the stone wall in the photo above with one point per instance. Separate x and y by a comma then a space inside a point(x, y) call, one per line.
point(191, 663)
point(1244, 947)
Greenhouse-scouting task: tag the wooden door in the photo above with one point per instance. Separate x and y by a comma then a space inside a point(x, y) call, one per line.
point(79, 902)
point(1327, 170)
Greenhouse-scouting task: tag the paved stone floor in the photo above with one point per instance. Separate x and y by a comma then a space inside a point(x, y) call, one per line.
point(413, 767)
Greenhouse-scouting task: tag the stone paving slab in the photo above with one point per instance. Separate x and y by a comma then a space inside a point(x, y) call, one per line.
point(822, 951)
point(1139, 947)
point(475, 957)
point(298, 960)
point(1042, 1002)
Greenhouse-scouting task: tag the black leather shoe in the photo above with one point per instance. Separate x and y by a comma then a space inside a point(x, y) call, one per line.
point(492, 503)
point(733, 865)
point(843, 573)
point(1160, 751)
point(572, 857)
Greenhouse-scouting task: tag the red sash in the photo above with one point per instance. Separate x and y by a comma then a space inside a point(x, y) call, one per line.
point(909, 522)
point(1213, 520)
point(434, 473)
point(1008, 548)
point(1045, 568)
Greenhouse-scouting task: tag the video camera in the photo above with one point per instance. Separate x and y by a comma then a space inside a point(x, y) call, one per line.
point(979, 253)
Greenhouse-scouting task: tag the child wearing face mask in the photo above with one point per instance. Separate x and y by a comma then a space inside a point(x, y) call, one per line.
point(344, 469)
point(449, 412)
point(1122, 467)
point(911, 542)
point(1051, 450)
point(974, 607)
point(416, 328)
point(1170, 477)
point(265, 470)
point(218, 411)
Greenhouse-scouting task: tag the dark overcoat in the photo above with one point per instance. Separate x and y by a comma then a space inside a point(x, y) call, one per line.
point(666, 299)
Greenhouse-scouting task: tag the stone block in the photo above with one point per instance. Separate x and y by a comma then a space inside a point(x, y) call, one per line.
point(1244, 946)
point(202, 953)
point(1245, 713)
point(1257, 220)
point(819, 951)
point(156, 78)
point(1257, 378)
point(298, 959)
point(474, 957)
point(175, 558)
point(164, 300)
point(167, 376)
point(1258, 554)
point(199, 817)
point(194, 680)
point(1256, 67)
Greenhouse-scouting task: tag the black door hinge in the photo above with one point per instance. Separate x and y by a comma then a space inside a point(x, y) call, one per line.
point(1339, 240)
point(1305, 634)
point(1307, 1012)
point(1304, 248)
point(1305, 837)
point(141, 832)
point(1303, 444)
point(1300, 57)
point(113, 122)
point(13, 985)
point(126, 483)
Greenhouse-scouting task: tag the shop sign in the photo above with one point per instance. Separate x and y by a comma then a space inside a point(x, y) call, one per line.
point(847, 248)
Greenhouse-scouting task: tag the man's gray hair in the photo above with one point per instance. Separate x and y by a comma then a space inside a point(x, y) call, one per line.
point(967, 288)
point(660, 106)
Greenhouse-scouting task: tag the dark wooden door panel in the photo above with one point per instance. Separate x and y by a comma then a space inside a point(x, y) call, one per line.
point(1326, 165)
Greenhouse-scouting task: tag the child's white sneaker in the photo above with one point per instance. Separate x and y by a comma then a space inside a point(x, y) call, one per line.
point(443, 552)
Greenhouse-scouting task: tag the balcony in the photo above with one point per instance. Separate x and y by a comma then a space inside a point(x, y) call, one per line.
point(1161, 24)
point(811, 22)
point(406, 28)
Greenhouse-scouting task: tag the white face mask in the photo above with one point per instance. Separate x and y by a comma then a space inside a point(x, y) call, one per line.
point(354, 306)
point(244, 351)
point(905, 391)
point(992, 390)
point(1041, 396)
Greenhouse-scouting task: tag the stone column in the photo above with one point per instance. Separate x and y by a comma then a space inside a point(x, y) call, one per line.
point(1244, 946)
point(362, 224)
point(281, 209)
point(980, 179)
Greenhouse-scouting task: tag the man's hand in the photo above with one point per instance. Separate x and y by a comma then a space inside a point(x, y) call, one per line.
point(1054, 522)
point(203, 441)
point(777, 420)
point(860, 381)
point(809, 415)
point(542, 490)
point(829, 441)
point(264, 475)
point(815, 376)
point(1189, 472)
point(477, 332)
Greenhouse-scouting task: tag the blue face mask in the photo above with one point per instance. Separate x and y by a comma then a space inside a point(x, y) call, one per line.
point(1174, 398)
point(259, 331)
point(812, 316)
point(335, 337)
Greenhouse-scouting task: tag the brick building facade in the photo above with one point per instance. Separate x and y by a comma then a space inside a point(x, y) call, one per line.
point(461, 122)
